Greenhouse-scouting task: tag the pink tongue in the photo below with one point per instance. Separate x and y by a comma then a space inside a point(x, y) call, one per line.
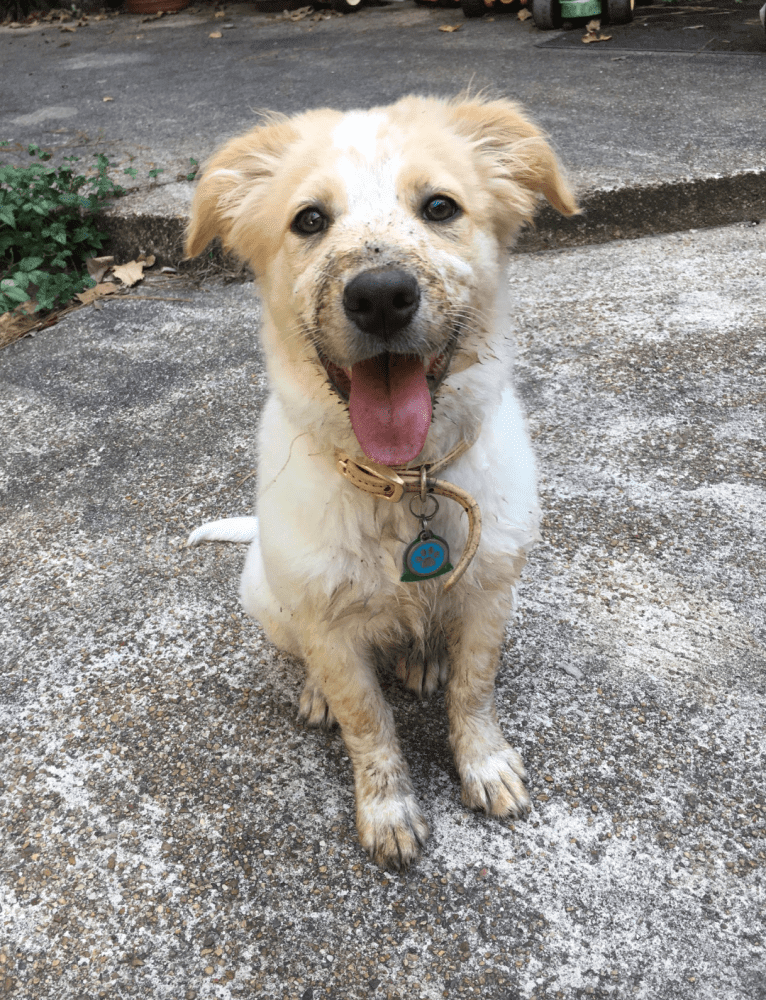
point(390, 407)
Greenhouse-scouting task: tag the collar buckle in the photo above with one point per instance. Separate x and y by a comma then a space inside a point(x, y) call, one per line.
point(378, 480)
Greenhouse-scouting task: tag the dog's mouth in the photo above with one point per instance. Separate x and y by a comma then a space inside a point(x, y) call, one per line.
point(390, 400)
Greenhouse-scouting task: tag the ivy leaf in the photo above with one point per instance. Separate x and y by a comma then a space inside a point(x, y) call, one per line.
point(15, 293)
point(30, 263)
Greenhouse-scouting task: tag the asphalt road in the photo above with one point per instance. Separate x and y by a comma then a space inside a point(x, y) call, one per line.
point(618, 118)
point(655, 140)
point(170, 831)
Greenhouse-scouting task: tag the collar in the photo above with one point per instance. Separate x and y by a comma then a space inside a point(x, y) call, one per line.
point(392, 482)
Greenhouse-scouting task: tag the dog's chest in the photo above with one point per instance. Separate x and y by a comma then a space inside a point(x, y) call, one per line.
point(320, 532)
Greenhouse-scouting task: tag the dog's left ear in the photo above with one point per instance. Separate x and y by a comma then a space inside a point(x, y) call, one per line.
point(517, 162)
point(231, 186)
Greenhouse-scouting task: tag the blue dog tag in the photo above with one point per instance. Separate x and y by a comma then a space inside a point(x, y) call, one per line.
point(425, 558)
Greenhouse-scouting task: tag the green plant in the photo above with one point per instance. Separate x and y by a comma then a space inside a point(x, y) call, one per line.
point(48, 229)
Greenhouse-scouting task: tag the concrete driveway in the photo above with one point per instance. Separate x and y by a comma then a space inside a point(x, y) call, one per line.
point(170, 831)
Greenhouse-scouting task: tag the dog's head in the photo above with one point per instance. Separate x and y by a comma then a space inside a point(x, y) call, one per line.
point(378, 240)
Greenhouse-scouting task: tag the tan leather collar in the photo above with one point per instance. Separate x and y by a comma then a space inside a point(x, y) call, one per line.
point(392, 482)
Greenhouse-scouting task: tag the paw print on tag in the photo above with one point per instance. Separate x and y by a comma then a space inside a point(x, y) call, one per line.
point(425, 558)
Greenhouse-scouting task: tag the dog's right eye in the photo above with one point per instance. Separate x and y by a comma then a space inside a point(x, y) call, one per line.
point(440, 209)
point(309, 222)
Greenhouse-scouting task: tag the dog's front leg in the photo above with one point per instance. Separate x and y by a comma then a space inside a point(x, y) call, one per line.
point(491, 772)
point(391, 826)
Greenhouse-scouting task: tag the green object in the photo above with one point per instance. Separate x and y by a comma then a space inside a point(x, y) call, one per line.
point(48, 229)
point(580, 8)
point(408, 577)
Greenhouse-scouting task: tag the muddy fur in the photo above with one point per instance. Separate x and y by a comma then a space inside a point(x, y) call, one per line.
point(322, 574)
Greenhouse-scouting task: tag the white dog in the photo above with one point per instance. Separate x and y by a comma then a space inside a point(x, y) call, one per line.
point(379, 242)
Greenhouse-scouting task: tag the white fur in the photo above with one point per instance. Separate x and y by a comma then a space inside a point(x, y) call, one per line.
point(316, 527)
point(358, 131)
point(231, 529)
point(322, 574)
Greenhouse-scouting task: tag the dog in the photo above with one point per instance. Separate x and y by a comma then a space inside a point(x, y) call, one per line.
point(379, 240)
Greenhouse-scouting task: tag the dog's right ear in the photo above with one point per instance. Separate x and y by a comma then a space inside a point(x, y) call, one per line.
point(234, 178)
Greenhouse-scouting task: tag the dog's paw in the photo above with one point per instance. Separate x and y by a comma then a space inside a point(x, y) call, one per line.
point(421, 675)
point(492, 779)
point(392, 830)
point(313, 708)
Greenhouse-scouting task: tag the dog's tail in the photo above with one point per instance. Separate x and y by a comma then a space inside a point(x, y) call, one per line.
point(230, 529)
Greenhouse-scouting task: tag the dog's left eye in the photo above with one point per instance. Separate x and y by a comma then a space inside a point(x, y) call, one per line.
point(309, 221)
point(440, 208)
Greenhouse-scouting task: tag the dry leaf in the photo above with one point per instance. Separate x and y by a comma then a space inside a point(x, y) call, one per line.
point(146, 259)
point(98, 266)
point(214, 34)
point(23, 319)
point(68, 27)
point(91, 294)
point(220, 13)
point(108, 99)
point(524, 14)
point(14, 325)
point(130, 273)
point(593, 32)
point(25, 309)
point(450, 27)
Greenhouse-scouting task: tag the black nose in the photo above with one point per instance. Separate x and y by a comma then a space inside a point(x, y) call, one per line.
point(382, 301)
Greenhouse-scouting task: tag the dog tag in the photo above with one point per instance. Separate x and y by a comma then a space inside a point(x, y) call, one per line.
point(425, 558)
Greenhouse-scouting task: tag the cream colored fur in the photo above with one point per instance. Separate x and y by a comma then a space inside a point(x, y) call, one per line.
point(322, 572)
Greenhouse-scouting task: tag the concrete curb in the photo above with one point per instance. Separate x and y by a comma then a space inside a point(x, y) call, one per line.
point(633, 212)
point(156, 222)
